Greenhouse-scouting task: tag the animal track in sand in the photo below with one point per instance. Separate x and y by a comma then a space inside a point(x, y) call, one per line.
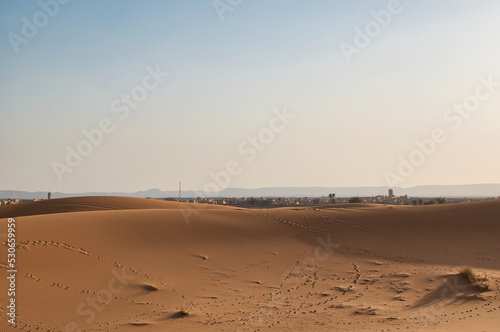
point(357, 274)
point(26, 245)
point(161, 240)
point(83, 251)
point(32, 276)
point(327, 219)
point(55, 284)
point(284, 221)
point(399, 287)
point(366, 311)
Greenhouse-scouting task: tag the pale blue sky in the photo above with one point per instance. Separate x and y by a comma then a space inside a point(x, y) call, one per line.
point(353, 120)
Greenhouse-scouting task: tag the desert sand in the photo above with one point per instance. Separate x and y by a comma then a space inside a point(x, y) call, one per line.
point(129, 264)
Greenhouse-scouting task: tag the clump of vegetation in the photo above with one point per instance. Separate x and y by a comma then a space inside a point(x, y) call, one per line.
point(332, 197)
point(468, 274)
point(355, 200)
point(441, 200)
point(479, 283)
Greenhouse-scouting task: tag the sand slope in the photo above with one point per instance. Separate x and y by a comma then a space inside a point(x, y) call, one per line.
point(131, 264)
point(91, 203)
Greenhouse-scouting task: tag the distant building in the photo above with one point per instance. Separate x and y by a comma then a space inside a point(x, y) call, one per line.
point(49, 196)
point(391, 193)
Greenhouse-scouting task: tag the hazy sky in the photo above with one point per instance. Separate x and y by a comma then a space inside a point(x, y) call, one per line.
point(231, 66)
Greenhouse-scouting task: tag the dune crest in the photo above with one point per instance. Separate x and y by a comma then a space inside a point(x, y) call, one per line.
point(94, 203)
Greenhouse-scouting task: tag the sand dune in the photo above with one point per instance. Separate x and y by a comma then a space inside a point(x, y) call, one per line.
point(127, 264)
point(91, 203)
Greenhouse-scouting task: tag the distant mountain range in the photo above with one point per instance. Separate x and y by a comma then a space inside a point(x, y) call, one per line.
point(471, 190)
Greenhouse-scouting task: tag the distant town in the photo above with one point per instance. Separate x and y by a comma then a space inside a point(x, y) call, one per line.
point(389, 199)
point(256, 202)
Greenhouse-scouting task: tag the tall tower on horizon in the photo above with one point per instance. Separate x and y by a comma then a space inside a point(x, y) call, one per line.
point(49, 195)
point(179, 191)
point(391, 193)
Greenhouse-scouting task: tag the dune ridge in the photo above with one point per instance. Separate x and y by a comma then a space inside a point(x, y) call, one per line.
point(93, 203)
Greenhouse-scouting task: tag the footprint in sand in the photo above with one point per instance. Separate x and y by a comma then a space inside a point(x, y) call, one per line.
point(85, 252)
point(55, 284)
point(67, 246)
point(32, 276)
